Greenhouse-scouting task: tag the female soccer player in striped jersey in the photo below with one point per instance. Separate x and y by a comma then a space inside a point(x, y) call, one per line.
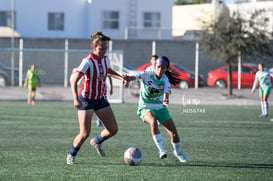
point(263, 77)
point(93, 69)
point(153, 103)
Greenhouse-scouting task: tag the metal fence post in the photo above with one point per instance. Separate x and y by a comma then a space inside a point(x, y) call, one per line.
point(66, 63)
point(196, 64)
point(21, 62)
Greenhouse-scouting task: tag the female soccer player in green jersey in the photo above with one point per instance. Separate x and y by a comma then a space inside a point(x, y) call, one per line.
point(263, 77)
point(153, 103)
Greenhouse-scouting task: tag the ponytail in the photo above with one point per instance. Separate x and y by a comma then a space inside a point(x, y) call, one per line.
point(173, 78)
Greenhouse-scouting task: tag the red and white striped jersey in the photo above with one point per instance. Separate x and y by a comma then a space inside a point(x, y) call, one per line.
point(94, 76)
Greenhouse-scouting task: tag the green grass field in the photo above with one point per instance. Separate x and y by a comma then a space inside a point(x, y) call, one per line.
point(221, 142)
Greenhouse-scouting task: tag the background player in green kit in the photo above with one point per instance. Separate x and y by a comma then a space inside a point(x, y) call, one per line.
point(153, 103)
point(32, 81)
point(263, 77)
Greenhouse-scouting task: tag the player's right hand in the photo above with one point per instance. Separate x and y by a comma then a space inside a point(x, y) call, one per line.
point(77, 103)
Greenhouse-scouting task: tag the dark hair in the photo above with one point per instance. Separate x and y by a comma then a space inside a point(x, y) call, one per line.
point(173, 78)
point(154, 56)
point(98, 36)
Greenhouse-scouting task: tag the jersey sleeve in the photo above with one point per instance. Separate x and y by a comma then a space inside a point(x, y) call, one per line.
point(84, 65)
point(140, 75)
point(255, 81)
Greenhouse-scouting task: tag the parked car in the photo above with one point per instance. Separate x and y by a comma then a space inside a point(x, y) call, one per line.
point(5, 75)
point(218, 77)
point(186, 76)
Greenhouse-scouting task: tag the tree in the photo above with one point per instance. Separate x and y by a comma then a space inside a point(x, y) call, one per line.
point(228, 36)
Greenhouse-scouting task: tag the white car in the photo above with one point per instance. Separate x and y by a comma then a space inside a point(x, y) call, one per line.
point(5, 75)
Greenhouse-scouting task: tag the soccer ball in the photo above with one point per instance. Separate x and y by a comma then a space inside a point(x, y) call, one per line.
point(133, 156)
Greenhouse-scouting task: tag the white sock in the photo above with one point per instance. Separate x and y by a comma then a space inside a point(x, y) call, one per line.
point(262, 106)
point(159, 142)
point(265, 107)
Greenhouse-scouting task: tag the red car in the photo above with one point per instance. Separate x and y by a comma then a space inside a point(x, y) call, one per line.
point(218, 77)
point(187, 77)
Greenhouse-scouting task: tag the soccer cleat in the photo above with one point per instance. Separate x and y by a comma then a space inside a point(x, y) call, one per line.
point(98, 123)
point(98, 147)
point(181, 157)
point(29, 101)
point(32, 102)
point(70, 160)
point(162, 154)
point(263, 116)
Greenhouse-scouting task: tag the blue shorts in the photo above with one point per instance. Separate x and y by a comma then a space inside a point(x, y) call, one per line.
point(93, 103)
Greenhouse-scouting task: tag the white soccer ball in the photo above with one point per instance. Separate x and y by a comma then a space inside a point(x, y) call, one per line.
point(133, 156)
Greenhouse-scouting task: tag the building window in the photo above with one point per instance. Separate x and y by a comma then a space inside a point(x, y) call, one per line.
point(6, 19)
point(110, 20)
point(151, 20)
point(56, 21)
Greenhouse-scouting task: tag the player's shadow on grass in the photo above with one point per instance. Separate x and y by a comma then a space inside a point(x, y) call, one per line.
point(214, 165)
point(232, 165)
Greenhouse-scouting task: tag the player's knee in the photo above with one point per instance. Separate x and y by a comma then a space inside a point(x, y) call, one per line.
point(113, 130)
point(154, 125)
point(85, 135)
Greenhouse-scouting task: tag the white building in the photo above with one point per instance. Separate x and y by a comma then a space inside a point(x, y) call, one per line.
point(79, 18)
point(245, 8)
point(188, 17)
point(121, 19)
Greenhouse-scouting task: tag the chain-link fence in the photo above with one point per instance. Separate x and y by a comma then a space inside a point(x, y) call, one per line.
point(54, 65)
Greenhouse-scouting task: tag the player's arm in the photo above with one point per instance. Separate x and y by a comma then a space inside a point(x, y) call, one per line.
point(111, 85)
point(128, 78)
point(26, 80)
point(255, 83)
point(166, 99)
point(167, 91)
point(114, 74)
point(271, 73)
point(74, 78)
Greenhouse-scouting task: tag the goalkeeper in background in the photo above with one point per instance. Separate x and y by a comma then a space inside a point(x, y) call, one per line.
point(32, 81)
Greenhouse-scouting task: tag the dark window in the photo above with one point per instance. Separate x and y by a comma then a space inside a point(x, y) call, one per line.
point(151, 20)
point(56, 21)
point(6, 18)
point(111, 20)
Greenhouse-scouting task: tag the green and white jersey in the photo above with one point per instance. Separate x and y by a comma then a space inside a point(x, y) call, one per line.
point(152, 90)
point(263, 78)
point(150, 68)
